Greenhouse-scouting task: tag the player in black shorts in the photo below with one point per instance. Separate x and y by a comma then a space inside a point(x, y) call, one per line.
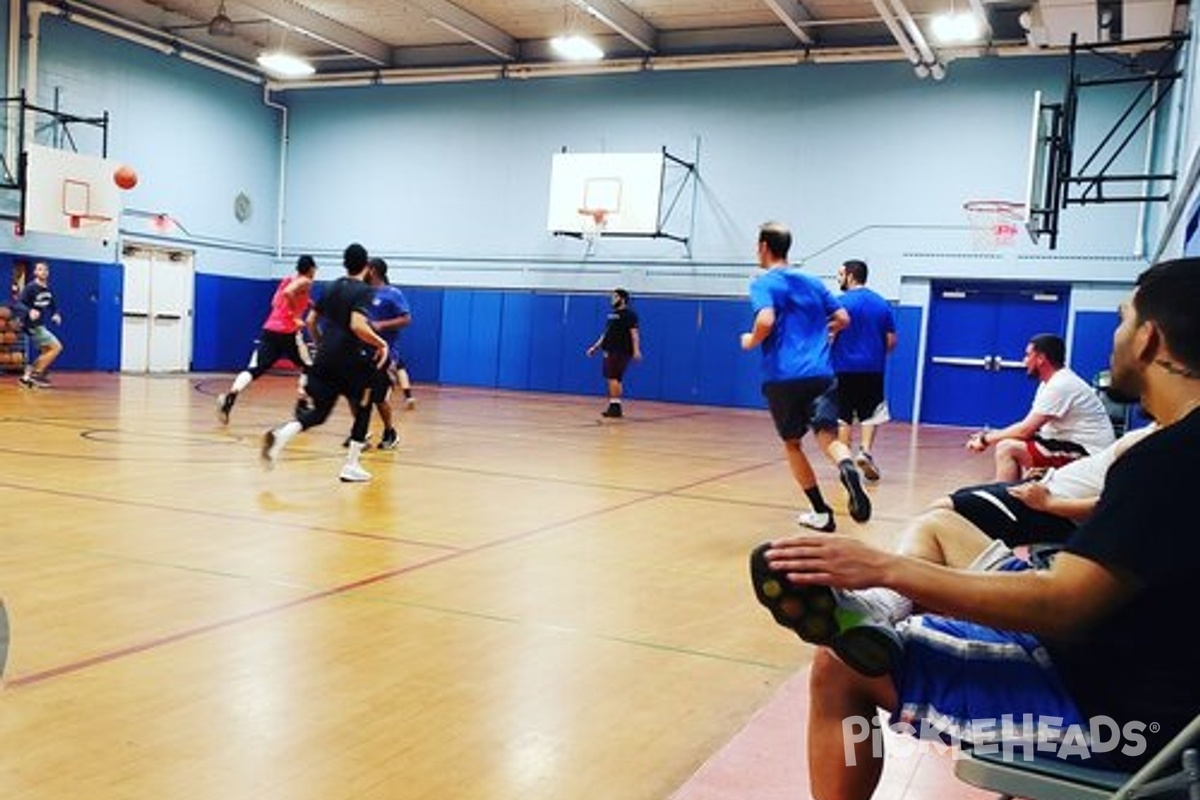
point(350, 352)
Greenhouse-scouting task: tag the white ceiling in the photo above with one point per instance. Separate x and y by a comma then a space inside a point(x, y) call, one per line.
point(422, 37)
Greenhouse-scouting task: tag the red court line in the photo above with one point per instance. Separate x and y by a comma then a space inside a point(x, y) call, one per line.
point(113, 655)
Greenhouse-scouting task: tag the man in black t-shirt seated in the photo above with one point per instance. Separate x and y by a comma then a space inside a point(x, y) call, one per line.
point(1093, 659)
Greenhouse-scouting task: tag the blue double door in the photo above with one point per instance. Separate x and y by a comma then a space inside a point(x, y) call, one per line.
point(975, 348)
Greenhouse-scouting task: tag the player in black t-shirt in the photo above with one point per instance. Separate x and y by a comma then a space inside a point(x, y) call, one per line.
point(620, 342)
point(40, 309)
point(349, 352)
point(1100, 645)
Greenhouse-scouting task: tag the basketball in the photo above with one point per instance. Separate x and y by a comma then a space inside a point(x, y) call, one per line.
point(125, 177)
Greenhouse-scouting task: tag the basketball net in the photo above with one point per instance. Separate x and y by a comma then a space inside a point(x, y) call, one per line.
point(594, 221)
point(994, 223)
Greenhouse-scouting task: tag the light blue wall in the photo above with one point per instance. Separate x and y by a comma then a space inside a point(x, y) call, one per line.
point(196, 138)
point(863, 160)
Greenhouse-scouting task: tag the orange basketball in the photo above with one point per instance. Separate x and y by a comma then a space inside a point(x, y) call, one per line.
point(125, 177)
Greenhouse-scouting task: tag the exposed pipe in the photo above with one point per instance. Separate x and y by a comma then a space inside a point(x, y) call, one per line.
point(936, 69)
point(12, 85)
point(906, 46)
point(280, 215)
point(146, 36)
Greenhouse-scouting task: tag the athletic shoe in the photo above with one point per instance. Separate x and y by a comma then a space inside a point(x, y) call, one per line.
point(612, 412)
point(867, 465)
point(271, 448)
point(390, 440)
point(859, 505)
point(817, 520)
point(842, 621)
point(366, 443)
point(353, 473)
point(224, 406)
point(410, 403)
point(40, 381)
point(27, 382)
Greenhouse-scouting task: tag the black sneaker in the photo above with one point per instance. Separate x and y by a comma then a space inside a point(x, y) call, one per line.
point(27, 382)
point(390, 440)
point(224, 406)
point(612, 412)
point(859, 505)
point(40, 381)
point(860, 635)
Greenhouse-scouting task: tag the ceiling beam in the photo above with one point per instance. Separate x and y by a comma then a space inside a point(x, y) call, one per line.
point(792, 14)
point(621, 19)
point(470, 27)
point(324, 29)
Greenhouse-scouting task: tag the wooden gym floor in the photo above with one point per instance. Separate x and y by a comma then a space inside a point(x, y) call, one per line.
point(525, 604)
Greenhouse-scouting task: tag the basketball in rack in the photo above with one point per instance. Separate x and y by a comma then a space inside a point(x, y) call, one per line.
point(594, 221)
point(994, 223)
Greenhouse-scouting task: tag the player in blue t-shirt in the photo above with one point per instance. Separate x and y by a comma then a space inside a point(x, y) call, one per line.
point(794, 317)
point(860, 352)
point(389, 313)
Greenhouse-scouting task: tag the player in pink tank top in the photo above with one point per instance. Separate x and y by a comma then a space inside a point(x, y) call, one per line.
point(281, 335)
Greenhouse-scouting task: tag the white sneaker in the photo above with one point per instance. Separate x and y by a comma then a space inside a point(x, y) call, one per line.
point(817, 521)
point(353, 473)
point(410, 403)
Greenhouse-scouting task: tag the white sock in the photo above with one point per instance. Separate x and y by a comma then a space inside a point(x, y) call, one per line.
point(285, 432)
point(353, 451)
point(241, 381)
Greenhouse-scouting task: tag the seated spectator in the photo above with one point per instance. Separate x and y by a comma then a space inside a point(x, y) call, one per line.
point(1096, 642)
point(1066, 421)
point(1037, 511)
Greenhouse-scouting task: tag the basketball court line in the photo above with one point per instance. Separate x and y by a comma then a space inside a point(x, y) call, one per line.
point(341, 589)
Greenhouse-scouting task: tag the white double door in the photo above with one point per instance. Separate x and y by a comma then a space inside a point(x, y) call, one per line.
point(156, 309)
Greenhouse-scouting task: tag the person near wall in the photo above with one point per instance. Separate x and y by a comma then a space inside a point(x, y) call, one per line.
point(348, 356)
point(1099, 639)
point(281, 335)
point(38, 310)
point(860, 352)
point(795, 316)
point(620, 342)
point(1066, 420)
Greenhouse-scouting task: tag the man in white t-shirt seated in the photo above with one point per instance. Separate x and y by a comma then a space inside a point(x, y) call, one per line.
point(1066, 421)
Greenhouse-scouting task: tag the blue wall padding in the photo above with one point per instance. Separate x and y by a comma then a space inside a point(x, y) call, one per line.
point(546, 348)
point(420, 342)
point(1092, 342)
point(517, 329)
point(901, 375)
point(229, 315)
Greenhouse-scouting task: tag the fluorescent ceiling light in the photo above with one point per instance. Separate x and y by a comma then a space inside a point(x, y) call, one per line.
point(576, 48)
point(954, 28)
point(285, 65)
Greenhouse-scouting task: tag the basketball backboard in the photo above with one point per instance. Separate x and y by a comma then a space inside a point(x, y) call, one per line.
point(1042, 179)
point(71, 194)
point(627, 187)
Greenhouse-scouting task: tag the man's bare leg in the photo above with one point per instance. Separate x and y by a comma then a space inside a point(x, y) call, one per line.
point(837, 694)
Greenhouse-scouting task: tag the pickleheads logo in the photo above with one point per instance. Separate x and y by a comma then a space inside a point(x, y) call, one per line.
point(1009, 737)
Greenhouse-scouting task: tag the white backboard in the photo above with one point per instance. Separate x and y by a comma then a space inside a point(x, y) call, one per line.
point(71, 194)
point(626, 185)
